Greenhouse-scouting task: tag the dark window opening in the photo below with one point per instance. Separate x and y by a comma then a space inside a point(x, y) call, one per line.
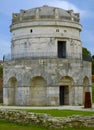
point(65, 30)
point(61, 49)
point(57, 30)
point(31, 30)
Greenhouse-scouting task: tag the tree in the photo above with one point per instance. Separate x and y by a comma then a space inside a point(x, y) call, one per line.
point(93, 65)
point(1, 71)
point(92, 57)
point(86, 54)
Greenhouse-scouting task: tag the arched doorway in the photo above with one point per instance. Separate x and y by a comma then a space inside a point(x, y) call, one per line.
point(85, 86)
point(38, 91)
point(66, 91)
point(12, 86)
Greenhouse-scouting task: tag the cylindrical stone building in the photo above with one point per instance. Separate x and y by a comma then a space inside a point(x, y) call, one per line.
point(46, 66)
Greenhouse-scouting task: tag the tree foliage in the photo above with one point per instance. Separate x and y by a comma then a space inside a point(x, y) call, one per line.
point(1, 71)
point(93, 66)
point(87, 53)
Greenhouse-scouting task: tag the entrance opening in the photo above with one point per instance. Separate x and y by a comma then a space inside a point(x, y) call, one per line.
point(64, 95)
point(61, 49)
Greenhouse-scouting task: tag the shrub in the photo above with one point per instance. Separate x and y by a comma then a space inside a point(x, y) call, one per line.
point(93, 78)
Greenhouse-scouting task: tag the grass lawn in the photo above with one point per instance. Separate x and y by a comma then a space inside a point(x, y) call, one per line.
point(61, 113)
point(4, 125)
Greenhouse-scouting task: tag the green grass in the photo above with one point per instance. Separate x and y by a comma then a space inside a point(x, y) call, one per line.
point(4, 125)
point(61, 113)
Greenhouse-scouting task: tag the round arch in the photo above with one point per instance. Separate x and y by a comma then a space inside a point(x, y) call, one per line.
point(66, 90)
point(12, 86)
point(38, 91)
point(66, 80)
point(85, 86)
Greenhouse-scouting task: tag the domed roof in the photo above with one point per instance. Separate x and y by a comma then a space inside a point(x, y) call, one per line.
point(45, 12)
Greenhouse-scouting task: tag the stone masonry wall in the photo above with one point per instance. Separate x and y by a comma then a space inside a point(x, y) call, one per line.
point(44, 120)
point(52, 72)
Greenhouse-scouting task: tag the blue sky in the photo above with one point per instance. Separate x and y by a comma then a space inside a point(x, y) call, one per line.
point(84, 7)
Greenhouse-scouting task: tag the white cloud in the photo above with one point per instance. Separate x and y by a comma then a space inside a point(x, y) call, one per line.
point(68, 6)
point(15, 6)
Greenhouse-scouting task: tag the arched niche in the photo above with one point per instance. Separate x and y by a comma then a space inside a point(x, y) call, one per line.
point(38, 91)
point(85, 86)
point(12, 88)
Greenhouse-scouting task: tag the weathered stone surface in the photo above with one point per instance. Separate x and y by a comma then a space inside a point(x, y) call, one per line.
point(46, 66)
point(27, 118)
point(41, 86)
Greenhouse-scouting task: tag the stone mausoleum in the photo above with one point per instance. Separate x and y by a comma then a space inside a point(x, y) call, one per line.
point(46, 66)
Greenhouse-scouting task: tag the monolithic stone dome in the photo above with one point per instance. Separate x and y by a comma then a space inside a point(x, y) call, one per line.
point(45, 12)
point(32, 31)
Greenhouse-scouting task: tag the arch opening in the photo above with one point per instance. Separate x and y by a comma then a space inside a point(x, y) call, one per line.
point(66, 91)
